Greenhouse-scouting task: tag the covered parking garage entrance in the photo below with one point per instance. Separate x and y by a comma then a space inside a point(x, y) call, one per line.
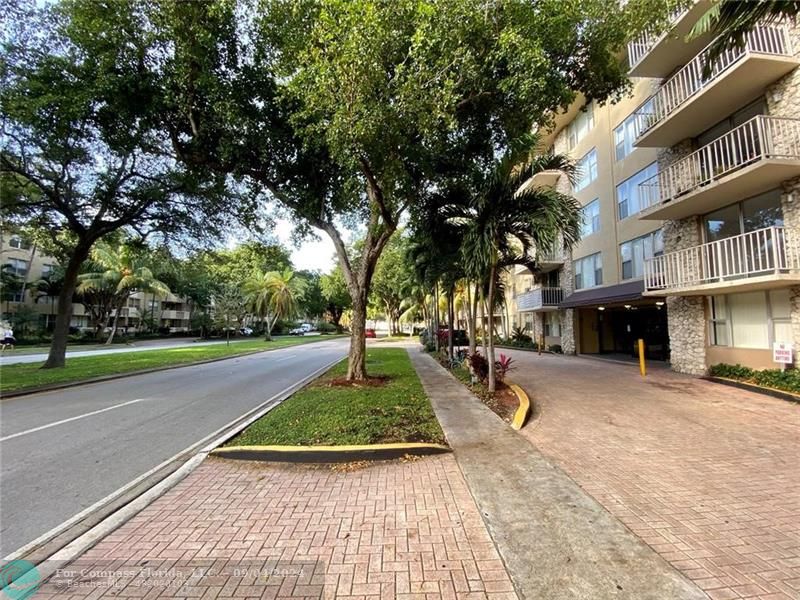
point(610, 320)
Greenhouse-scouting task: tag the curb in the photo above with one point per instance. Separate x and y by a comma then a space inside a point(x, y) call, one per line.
point(44, 557)
point(328, 454)
point(752, 387)
point(103, 378)
point(524, 407)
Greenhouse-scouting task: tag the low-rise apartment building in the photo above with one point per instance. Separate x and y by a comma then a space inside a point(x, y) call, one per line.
point(690, 191)
point(26, 261)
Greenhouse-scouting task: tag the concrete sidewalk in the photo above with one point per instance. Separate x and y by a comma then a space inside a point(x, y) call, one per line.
point(557, 542)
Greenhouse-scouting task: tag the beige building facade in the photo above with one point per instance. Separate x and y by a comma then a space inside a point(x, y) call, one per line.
point(690, 189)
point(27, 262)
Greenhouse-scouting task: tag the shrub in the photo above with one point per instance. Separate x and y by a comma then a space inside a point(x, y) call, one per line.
point(503, 366)
point(478, 366)
point(519, 336)
point(788, 380)
point(556, 348)
point(325, 327)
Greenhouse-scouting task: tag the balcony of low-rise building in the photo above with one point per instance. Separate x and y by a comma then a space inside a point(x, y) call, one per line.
point(540, 299)
point(750, 159)
point(175, 314)
point(657, 54)
point(690, 101)
point(761, 259)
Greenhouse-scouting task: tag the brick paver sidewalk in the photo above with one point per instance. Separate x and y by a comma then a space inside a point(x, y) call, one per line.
point(707, 475)
point(394, 529)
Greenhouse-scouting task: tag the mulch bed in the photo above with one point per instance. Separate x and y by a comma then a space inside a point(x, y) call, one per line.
point(370, 381)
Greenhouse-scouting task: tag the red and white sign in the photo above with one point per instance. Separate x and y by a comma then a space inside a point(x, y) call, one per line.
point(782, 352)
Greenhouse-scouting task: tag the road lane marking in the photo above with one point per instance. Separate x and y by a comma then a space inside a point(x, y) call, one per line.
point(61, 422)
point(282, 358)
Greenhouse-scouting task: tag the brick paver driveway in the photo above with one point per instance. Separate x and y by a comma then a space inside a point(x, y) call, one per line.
point(394, 529)
point(707, 475)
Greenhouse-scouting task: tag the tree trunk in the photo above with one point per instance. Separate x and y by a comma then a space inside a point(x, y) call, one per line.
point(436, 319)
point(357, 357)
point(118, 310)
point(469, 310)
point(58, 347)
point(490, 341)
point(450, 319)
point(268, 330)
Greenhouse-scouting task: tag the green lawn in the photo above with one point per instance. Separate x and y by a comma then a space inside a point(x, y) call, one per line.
point(19, 377)
point(325, 414)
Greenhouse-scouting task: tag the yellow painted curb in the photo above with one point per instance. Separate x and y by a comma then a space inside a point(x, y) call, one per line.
point(328, 454)
point(524, 407)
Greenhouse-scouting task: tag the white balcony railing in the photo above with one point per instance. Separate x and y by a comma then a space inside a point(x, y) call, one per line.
point(764, 39)
point(638, 48)
point(761, 252)
point(539, 298)
point(760, 138)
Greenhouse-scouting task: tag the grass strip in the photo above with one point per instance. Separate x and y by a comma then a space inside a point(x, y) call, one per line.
point(16, 377)
point(391, 410)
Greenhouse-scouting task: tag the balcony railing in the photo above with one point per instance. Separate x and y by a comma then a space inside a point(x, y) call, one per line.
point(538, 298)
point(760, 138)
point(638, 48)
point(765, 39)
point(762, 252)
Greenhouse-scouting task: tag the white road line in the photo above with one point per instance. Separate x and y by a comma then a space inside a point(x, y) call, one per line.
point(282, 358)
point(89, 414)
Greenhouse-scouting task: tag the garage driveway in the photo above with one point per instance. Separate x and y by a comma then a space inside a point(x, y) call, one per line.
point(707, 475)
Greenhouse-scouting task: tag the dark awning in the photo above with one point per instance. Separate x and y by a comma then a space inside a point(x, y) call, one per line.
point(623, 292)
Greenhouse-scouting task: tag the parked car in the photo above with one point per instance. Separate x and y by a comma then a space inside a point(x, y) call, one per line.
point(246, 331)
point(370, 333)
point(297, 331)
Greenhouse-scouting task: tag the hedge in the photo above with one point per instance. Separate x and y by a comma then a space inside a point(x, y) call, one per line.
point(788, 380)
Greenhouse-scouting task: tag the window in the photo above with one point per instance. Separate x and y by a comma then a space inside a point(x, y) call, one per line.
point(626, 132)
point(18, 266)
point(590, 218)
point(47, 270)
point(629, 196)
point(552, 325)
point(636, 251)
point(754, 213)
point(750, 320)
point(587, 169)
point(588, 271)
point(19, 243)
point(580, 126)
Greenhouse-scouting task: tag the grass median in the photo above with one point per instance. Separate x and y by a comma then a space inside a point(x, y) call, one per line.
point(17, 377)
point(391, 407)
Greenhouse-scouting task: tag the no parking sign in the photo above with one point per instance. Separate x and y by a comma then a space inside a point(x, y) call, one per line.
point(782, 353)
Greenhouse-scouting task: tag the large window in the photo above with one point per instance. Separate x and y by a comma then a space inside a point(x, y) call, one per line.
point(590, 218)
point(580, 126)
point(750, 320)
point(588, 271)
point(636, 251)
point(587, 169)
point(626, 132)
point(629, 200)
point(552, 324)
point(17, 242)
point(18, 266)
point(754, 213)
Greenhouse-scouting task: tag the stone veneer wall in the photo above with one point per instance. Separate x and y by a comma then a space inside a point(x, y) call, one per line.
point(686, 317)
point(566, 281)
point(790, 203)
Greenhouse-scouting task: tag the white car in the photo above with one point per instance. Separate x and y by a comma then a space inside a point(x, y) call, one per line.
point(297, 331)
point(246, 331)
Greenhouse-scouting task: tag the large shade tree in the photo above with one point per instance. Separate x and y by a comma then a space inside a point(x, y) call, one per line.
point(83, 141)
point(341, 109)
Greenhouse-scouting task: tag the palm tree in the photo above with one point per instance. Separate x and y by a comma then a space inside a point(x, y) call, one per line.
point(273, 295)
point(731, 20)
point(509, 220)
point(123, 268)
point(49, 287)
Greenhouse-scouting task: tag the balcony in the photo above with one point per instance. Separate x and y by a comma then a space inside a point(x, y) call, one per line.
point(543, 179)
point(659, 54)
point(760, 259)
point(540, 299)
point(175, 314)
point(688, 103)
point(754, 157)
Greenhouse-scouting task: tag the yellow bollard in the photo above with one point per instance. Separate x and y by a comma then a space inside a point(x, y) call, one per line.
point(642, 366)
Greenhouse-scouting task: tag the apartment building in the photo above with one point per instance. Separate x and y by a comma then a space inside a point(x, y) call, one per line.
point(27, 262)
point(691, 198)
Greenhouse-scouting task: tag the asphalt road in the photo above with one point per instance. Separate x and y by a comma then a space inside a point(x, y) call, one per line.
point(63, 451)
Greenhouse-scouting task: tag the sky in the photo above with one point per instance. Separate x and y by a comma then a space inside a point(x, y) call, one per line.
point(312, 255)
